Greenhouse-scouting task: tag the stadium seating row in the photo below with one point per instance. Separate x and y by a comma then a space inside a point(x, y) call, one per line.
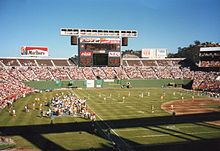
point(35, 62)
point(91, 73)
point(66, 62)
point(11, 88)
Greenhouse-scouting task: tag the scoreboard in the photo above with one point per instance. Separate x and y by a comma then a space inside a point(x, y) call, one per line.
point(99, 52)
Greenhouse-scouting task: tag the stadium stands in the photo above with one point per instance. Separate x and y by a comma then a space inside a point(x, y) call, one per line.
point(133, 72)
point(110, 72)
point(134, 63)
point(210, 63)
point(10, 62)
point(44, 62)
point(41, 73)
point(61, 63)
point(99, 73)
point(11, 88)
point(206, 81)
point(148, 73)
point(27, 62)
point(13, 71)
point(87, 71)
point(59, 73)
point(150, 63)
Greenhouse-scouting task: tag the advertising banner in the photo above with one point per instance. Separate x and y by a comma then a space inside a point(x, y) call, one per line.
point(89, 40)
point(114, 54)
point(90, 83)
point(34, 51)
point(207, 49)
point(109, 40)
point(161, 53)
point(148, 53)
point(86, 53)
point(99, 83)
point(100, 40)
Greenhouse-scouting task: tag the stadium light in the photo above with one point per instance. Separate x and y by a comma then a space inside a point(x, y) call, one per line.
point(98, 32)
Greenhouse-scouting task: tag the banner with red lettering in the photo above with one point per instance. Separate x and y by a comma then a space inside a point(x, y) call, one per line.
point(34, 51)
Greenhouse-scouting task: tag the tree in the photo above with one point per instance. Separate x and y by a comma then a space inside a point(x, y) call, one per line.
point(197, 42)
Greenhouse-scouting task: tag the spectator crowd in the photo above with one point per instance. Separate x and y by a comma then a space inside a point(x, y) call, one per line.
point(13, 73)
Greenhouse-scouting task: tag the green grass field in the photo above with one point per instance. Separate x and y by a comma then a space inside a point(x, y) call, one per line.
point(124, 117)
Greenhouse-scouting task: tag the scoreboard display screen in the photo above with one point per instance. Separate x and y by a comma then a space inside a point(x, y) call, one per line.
point(99, 51)
point(100, 59)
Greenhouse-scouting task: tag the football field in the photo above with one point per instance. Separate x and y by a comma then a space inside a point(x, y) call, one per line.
point(127, 119)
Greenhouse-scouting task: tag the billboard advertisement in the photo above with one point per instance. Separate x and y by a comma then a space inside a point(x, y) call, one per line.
point(110, 41)
point(90, 83)
point(114, 54)
point(34, 51)
point(207, 49)
point(89, 40)
point(161, 53)
point(86, 54)
point(100, 40)
point(148, 53)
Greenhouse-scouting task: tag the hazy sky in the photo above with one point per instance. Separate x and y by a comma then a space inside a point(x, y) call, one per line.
point(160, 23)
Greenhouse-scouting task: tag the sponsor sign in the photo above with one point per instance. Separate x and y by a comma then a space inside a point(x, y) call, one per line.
point(34, 51)
point(114, 54)
point(89, 40)
point(148, 53)
point(109, 80)
point(205, 49)
point(110, 41)
point(90, 83)
point(161, 53)
point(86, 53)
point(100, 40)
point(99, 51)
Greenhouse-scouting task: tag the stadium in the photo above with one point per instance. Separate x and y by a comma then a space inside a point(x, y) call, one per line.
point(107, 100)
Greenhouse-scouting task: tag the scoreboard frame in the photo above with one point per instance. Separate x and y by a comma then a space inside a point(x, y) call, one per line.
point(88, 57)
point(114, 56)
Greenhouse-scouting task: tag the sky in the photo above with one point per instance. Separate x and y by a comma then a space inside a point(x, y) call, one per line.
point(160, 23)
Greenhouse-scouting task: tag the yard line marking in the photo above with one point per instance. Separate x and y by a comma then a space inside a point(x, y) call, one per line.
point(142, 112)
point(177, 134)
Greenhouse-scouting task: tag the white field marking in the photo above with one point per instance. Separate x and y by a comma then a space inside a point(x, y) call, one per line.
point(176, 127)
point(145, 129)
point(107, 125)
point(131, 107)
point(130, 129)
point(177, 134)
point(101, 103)
point(123, 115)
point(140, 112)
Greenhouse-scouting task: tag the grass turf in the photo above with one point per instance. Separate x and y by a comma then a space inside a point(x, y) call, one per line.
point(133, 115)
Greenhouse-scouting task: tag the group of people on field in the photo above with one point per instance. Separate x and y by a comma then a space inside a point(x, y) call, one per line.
point(62, 105)
point(69, 104)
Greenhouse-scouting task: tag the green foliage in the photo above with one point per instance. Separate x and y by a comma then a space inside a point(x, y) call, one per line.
point(191, 52)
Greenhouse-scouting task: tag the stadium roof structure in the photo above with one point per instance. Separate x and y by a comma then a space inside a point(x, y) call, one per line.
point(98, 32)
